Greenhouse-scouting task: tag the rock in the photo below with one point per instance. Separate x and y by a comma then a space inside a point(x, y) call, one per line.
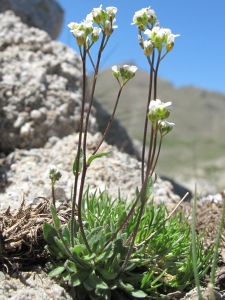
point(43, 14)
point(40, 87)
point(28, 170)
point(33, 284)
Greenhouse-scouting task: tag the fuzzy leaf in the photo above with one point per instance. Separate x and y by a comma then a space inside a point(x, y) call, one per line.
point(56, 220)
point(61, 246)
point(107, 274)
point(77, 249)
point(92, 157)
point(79, 277)
point(95, 235)
point(57, 271)
point(49, 233)
point(95, 282)
point(125, 286)
point(70, 266)
point(138, 294)
point(54, 250)
point(80, 163)
point(66, 235)
point(149, 189)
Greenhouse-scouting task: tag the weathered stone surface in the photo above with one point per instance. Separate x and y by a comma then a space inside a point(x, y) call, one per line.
point(29, 171)
point(40, 87)
point(43, 14)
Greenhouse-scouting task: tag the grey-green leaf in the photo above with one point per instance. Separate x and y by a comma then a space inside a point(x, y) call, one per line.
point(56, 220)
point(94, 281)
point(57, 271)
point(49, 233)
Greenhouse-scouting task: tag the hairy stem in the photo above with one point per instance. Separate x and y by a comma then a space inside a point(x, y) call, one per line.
point(84, 170)
point(110, 121)
point(83, 57)
point(146, 119)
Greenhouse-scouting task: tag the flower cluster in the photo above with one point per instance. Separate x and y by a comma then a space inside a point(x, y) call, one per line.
point(158, 112)
point(161, 37)
point(145, 19)
point(104, 20)
point(126, 72)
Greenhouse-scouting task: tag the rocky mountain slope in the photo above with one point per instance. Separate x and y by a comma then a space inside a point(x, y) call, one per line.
point(194, 150)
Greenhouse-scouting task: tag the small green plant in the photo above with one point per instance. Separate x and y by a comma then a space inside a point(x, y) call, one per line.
point(157, 264)
point(109, 249)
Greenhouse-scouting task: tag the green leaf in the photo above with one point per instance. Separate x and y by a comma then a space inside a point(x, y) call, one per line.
point(57, 271)
point(95, 282)
point(80, 163)
point(107, 274)
point(138, 294)
point(77, 249)
point(105, 255)
point(54, 250)
point(61, 246)
point(56, 220)
point(49, 233)
point(79, 277)
point(95, 235)
point(92, 157)
point(103, 294)
point(149, 189)
point(66, 235)
point(70, 266)
point(125, 286)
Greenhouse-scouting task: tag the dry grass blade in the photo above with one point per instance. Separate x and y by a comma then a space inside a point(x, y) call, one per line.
point(21, 236)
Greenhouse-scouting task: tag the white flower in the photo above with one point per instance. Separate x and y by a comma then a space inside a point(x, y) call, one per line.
point(148, 47)
point(80, 36)
point(95, 34)
point(151, 15)
point(154, 104)
point(111, 10)
point(126, 72)
point(165, 127)
point(109, 27)
point(116, 69)
point(73, 25)
point(144, 16)
point(97, 11)
point(159, 110)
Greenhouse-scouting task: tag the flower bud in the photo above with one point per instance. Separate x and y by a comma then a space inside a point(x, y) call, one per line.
point(80, 36)
point(116, 72)
point(95, 34)
point(148, 48)
point(54, 175)
point(165, 127)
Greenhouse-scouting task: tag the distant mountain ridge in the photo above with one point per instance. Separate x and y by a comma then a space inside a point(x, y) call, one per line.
point(196, 142)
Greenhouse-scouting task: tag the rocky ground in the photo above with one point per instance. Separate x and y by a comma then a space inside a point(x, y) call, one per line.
point(26, 172)
point(40, 100)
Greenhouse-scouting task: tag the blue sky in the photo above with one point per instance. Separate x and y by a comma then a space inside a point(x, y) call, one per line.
point(198, 58)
